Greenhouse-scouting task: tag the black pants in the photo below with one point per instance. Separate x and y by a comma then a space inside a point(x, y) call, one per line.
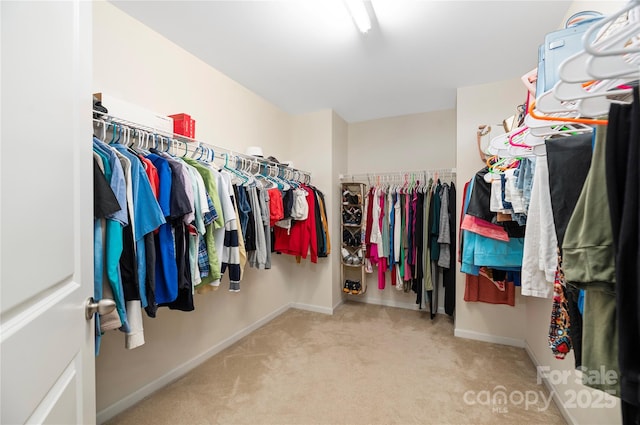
point(623, 186)
point(569, 159)
point(449, 275)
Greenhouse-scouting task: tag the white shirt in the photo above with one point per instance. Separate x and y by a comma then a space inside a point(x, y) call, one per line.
point(540, 258)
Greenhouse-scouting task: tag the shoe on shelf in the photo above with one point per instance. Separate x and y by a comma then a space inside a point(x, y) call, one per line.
point(345, 255)
point(357, 257)
point(352, 215)
point(357, 238)
point(347, 237)
point(347, 286)
point(349, 197)
point(356, 287)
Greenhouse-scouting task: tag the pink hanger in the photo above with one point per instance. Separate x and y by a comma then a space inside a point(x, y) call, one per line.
point(520, 131)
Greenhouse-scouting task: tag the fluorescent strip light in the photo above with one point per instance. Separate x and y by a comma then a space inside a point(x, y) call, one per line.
point(359, 13)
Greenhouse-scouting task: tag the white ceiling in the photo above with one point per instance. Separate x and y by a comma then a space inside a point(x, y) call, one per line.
point(306, 55)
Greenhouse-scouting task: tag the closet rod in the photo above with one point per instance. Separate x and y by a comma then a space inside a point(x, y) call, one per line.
point(398, 174)
point(108, 119)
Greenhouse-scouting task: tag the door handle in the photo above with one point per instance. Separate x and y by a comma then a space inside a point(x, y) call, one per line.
point(104, 306)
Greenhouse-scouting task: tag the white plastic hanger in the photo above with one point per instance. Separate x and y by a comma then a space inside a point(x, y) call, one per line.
point(594, 49)
point(569, 96)
point(624, 39)
point(549, 104)
point(581, 66)
point(571, 91)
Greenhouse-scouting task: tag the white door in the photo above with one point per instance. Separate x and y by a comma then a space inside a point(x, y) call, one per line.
point(46, 345)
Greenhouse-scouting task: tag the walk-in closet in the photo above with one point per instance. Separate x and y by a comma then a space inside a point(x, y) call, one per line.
point(313, 212)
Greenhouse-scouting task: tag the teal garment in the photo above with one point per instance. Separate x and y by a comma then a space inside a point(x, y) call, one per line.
point(98, 257)
point(113, 251)
point(98, 253)
point(588, 256)
point(113, 241)
point(479, 251)
point(97, 277)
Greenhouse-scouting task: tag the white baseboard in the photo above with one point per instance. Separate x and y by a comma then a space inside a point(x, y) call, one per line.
point(462, 333)
point(552, 389)
point(314, 308)
point(391, 303)
point(338, 304)
point(135, 397)
point(387, 303)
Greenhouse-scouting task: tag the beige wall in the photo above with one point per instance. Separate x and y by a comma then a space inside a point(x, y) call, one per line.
point(139, 66)
point(339, 161)
point(409, 142)
point(485, 104)
point(406, 143)
point(319, 144)
point(311, 139)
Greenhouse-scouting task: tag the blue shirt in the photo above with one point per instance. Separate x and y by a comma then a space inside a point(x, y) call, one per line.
point(166, 267)
point(147, 214)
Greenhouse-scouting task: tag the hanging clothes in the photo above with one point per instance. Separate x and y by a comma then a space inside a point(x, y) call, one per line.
point(483, 249)
point(589, 263)
point(399, 231)
point(622, 158)
point(434, 247)
point(166, 227)
point(569, 160)
point(113, 235)
point(301, 239)
point(426, 261)
point(449, 273)
point(540, 259)
point(257, 257)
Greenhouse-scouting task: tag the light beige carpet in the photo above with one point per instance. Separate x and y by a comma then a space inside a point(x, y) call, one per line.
point(366, 364)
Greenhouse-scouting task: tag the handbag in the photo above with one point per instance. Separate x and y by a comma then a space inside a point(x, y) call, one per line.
point(559, 45)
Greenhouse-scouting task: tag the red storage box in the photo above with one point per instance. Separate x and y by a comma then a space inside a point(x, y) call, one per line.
point(184, 125)
point(192, 128)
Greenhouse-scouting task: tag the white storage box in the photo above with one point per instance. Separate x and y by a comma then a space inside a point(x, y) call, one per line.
point(119, 108)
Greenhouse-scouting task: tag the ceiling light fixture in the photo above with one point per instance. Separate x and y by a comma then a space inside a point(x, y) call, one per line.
point(359, 14)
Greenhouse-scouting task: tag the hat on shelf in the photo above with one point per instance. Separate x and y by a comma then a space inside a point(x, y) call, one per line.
point(254, 151)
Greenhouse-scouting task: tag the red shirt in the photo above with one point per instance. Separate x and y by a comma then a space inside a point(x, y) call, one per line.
point(276, 207)
point(302, 234)
point(152, 173)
